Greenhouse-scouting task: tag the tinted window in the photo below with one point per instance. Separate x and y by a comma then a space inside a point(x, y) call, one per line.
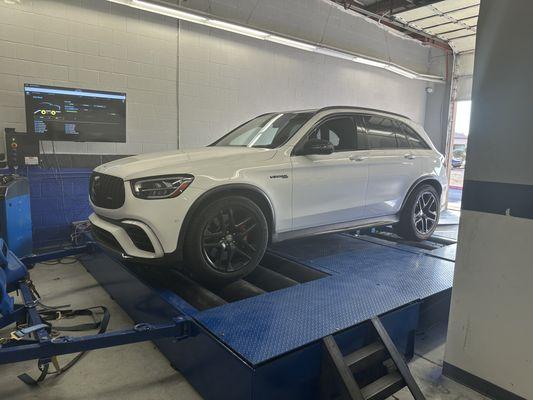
point(381, 132)
point(414, 138)
point(401, 139)
point(339, 131)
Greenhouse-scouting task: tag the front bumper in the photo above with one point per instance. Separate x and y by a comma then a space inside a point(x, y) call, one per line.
point(161, 220)
point(117, 236)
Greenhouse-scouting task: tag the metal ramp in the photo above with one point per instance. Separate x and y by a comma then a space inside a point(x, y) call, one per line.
point(374, 372)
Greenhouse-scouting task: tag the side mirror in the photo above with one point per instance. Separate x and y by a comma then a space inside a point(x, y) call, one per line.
point(317, 146)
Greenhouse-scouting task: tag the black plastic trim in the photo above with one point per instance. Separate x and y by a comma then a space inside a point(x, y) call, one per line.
point(498, 198)
point(425, 178)
point(478, 384)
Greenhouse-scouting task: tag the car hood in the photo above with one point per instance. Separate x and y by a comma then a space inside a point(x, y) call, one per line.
point(189, 161)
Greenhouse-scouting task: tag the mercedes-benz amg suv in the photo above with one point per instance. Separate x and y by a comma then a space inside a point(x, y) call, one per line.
point(279, 176)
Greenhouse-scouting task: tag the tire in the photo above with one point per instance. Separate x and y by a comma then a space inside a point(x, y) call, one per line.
point(416, 223)
point(219, 248)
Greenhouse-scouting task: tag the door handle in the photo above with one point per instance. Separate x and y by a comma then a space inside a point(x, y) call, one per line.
point(357, 158)
point(409, 156)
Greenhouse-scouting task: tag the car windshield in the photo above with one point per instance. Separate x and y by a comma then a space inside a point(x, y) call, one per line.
point(268, 131)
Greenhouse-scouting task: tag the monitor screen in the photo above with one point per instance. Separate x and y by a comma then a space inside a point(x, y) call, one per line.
point(56, 113)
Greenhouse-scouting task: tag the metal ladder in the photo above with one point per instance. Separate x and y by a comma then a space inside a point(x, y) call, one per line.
point(389, 371)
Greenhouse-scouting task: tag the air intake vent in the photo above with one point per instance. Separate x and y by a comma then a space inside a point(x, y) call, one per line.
point(106, 191)
point(139, 237)
point(106, 238)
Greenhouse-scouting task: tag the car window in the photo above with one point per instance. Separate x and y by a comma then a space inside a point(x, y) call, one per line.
point(269, 130)
point(381, 132)
point(338, 131)
point(401, 138)
point(414, 138)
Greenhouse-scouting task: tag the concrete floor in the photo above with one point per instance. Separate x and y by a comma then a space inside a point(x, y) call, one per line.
point(140, 372)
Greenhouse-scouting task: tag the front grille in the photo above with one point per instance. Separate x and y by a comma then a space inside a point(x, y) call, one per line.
point(106, 238)
point(139, 237)
point(106, 191)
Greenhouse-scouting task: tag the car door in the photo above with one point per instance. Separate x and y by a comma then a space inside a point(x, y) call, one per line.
point(392, 165)
point(429, 161)
point(331, 188)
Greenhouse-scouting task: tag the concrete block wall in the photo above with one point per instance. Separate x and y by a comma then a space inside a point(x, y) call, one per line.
point(226, 79)
point(93, 44)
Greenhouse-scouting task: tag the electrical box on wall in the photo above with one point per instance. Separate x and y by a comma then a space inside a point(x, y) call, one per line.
point(21, 149)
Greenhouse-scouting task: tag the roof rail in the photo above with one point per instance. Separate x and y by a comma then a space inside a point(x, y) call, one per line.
point(361, 109)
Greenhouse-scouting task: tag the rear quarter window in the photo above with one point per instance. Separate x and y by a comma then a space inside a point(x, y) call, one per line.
point(415, 140)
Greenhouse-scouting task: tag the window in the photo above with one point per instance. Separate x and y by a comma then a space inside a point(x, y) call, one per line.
point(269, 131)
point(401, 139)
point(339, 131)
point(414, 138)
point(381, 132)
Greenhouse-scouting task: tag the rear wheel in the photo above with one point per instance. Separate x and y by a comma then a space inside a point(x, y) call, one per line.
point(420, 215)
point(227, 239)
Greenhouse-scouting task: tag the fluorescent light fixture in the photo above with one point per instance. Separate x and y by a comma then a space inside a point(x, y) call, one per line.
point(291, 43)
point(401, 71)
point(243, 30)
point(237, 29)
point(334, 53)
point(170, 12)
point(372, 63)
point(430, 78)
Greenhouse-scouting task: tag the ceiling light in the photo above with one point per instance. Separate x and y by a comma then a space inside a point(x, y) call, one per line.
point(291, 43)
point(401, 71)
point(238, 29)
point(368, 61)
point(430, 78)
point(242, 30)
point(334, 53)
point(170, 12)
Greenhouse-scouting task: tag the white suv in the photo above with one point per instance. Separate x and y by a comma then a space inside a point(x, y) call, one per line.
point(279, 176)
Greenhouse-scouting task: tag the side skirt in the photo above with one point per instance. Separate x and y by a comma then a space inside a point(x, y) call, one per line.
point(338, 227)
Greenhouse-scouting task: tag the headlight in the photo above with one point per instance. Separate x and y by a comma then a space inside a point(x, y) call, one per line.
point(160, 187)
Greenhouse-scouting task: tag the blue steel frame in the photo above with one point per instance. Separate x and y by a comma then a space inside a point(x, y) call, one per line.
point(31, 260)
point(216, 370)
point(205, 356)
point(43, 347)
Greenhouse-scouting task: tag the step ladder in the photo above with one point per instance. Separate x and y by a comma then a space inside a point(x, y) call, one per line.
point(374, 372)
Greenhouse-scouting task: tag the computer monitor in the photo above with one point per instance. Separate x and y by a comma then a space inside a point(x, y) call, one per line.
point(56, 113)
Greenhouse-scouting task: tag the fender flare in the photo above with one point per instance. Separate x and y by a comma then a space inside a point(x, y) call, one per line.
point(422, 179)
point(271, 219)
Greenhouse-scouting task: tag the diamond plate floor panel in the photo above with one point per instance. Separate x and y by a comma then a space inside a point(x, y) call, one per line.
point(366, 279)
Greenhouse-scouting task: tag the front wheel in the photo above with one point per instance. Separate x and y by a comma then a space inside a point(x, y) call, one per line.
point(420, 215)
point(227, 239)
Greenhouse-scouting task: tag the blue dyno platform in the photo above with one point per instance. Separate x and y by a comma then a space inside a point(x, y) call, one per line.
point(268, 346)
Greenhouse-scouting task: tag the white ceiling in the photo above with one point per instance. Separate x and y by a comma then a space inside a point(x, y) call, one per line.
point(454, 21)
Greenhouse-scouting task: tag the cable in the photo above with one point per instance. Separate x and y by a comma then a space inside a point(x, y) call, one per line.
point(61, 182)
point(79, 213)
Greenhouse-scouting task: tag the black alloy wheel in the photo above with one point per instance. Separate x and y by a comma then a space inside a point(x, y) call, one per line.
point(419, 216)
point(426, 214)
point(230, 239)
point(225, 241)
